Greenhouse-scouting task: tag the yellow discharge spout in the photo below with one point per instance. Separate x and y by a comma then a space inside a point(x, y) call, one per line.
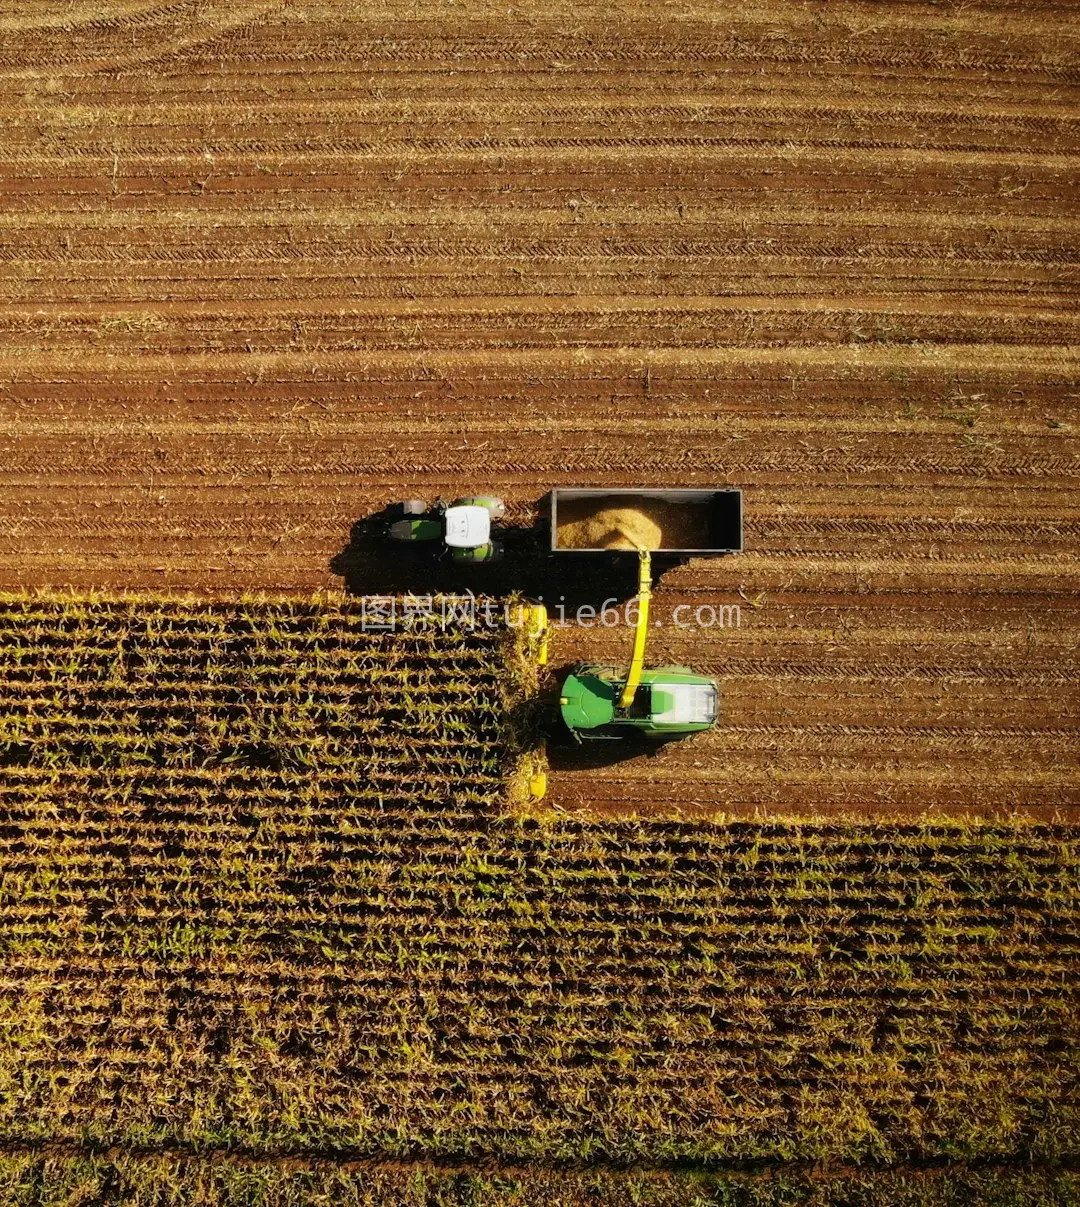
point(637, 662)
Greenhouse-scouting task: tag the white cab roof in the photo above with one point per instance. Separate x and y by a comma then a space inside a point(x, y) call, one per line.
point(692, 703)
point(467, 527)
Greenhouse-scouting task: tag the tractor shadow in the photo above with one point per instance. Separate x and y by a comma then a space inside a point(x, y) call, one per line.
point(595, 756)
point(372, 564)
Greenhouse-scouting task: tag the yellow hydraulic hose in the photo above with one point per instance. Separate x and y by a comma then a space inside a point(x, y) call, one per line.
point(637, 662)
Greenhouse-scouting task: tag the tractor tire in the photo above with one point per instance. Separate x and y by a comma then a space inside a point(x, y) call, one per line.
point(481, 554)
point(415, 529)
point(494, 506)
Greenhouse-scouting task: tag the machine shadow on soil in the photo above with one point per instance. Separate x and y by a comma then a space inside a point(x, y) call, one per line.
point(373, 565)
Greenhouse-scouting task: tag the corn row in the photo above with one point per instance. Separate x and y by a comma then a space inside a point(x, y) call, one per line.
point(267, 898)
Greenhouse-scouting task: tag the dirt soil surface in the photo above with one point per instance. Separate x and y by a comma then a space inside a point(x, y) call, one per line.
point(266, 267)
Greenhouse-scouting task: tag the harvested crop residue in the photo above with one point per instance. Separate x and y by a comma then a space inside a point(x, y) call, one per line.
point(631, 522)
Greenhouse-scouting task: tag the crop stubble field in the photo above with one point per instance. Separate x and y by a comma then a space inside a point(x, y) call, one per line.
point(264, 901)
point(264, 268)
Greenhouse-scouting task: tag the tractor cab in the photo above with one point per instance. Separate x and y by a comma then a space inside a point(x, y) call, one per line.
point(467, 527)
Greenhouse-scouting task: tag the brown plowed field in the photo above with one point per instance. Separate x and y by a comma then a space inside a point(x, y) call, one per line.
point(266, 267)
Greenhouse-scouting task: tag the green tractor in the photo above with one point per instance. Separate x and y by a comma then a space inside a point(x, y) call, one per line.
point(463, 526)
point(669, 702)
point(599, 702)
